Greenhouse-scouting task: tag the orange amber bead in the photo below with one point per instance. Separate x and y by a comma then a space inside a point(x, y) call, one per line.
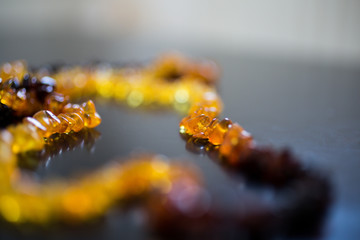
point(216, 136)
point(183, 125)
point(91, 117)
point(74, 108)
point(205, 134)
point(198, 125)
point(64, 126)
point(67, 122)
point(89, 107)
point(78, 122)
point(55, 102)
point(49, 121)
point(236, 144)
point(92, 120)
point(208, 111)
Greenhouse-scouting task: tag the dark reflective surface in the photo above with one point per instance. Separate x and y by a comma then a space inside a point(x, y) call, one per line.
point(311, 108)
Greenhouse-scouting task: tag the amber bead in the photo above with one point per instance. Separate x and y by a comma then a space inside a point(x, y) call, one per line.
point(16, 69)
point(49, 121)
point(74, 108)
point(66, 124)
point(236, 144)
point(32, 122)
point(216, 136)
point(55, 102)
point(92, 120)
point(78, 122)
point(89, 107)
point(198, 125)
point(208, 111)
point(25, 138)
point(91, 117)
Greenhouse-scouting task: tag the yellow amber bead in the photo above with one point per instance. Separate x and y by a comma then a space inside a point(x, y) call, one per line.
point(49, 121)
point(216, 136)
point(236, 145)
point(25, 138)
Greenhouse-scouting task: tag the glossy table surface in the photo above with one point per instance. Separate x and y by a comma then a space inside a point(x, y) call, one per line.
point(311, 108)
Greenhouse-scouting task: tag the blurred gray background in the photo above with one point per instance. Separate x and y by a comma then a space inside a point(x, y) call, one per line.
point(311, 30)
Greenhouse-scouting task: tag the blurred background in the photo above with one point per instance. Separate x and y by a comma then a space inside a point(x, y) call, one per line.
point(291, 76)
point(316, 30)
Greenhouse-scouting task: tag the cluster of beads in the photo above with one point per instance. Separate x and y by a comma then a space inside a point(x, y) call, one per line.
point(171, 81)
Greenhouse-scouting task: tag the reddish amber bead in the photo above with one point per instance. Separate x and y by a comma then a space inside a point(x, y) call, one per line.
point(236, 144)
point(216, 136)
point(49, 121)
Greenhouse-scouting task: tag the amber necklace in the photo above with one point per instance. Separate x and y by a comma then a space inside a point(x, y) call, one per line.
point(171, 81)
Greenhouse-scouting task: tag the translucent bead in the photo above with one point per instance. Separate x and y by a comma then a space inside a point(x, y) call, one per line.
point(25, 138)
point(74, 108)
point(89, 107)
point(205, 133)
point(236, 144)
point(216, 136)
point(55, 102)
point(49, 121)
point(198, 109)
point(78, 122)
point(92, 120)
point(198, 125)
point(66, 124)
point(36, 125)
